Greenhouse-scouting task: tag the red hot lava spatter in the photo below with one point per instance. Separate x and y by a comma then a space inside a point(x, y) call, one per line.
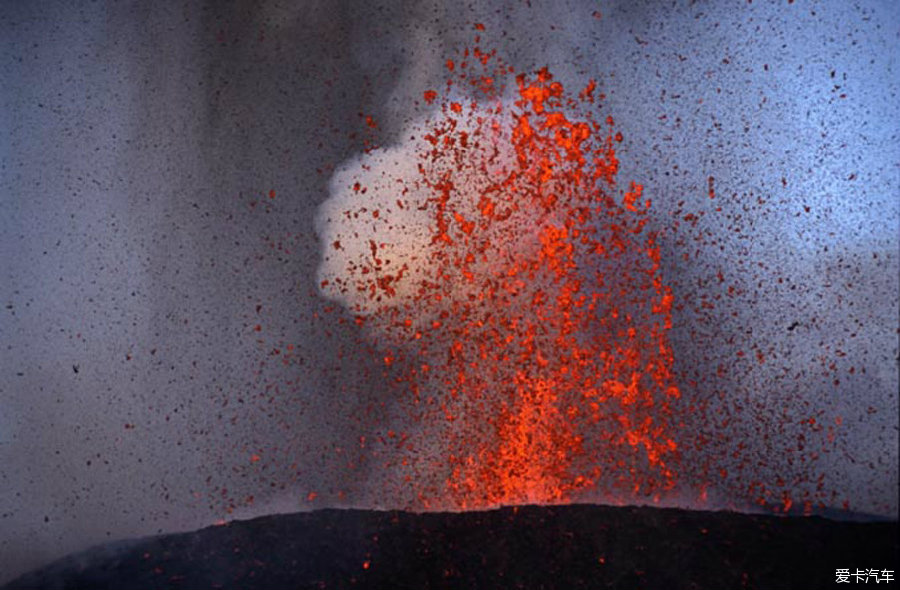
point(534, 342)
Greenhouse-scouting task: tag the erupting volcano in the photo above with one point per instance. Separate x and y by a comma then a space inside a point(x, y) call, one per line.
point(370, 294)
point(513, 291)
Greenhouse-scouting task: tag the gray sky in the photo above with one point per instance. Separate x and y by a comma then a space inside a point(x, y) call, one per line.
point(135, 138)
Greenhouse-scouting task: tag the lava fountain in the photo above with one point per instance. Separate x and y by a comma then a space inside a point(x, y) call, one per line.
point(513, 291)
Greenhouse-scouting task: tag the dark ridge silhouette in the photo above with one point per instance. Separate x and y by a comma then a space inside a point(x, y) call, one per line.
point(576, 546)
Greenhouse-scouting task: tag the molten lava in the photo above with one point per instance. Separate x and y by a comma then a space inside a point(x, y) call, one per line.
point(529, 320)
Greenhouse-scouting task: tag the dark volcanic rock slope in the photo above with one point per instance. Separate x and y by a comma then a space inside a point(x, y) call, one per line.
point(527, 547)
